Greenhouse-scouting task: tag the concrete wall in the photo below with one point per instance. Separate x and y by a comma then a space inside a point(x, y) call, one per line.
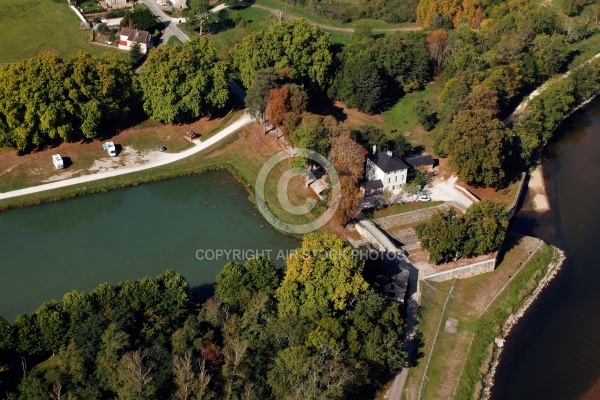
point(410, 217)
point(466, 271)
point(513, 207)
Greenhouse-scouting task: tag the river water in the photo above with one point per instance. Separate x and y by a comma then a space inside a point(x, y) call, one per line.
point(51, 249)
point(554, 351)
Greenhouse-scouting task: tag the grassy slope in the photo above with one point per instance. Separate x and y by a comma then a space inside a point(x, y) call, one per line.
point(32, 26)
point(299, 12)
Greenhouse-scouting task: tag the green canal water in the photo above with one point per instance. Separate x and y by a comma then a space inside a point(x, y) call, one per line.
point(51, 249)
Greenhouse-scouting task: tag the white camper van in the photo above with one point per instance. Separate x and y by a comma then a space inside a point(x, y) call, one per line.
point(110, 148)
point(57, 161)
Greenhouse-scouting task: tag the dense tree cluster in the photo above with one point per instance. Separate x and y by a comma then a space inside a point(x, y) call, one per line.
point(374, 70)
point(485, 72)
point(536, 125)
point(318, 332)
point(47, 99)
point(184, 82)
point(296, 45)
point(447, 235)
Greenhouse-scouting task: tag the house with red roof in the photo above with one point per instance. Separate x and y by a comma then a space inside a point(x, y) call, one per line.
point(130, 36)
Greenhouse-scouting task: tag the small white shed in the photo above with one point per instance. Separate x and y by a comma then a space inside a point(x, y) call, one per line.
point(57, 161)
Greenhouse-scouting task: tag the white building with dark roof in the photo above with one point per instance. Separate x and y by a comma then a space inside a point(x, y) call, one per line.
point(384, 171)
point(130, 36)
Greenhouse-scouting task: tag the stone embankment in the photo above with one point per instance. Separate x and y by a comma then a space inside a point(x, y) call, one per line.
point(409, 218)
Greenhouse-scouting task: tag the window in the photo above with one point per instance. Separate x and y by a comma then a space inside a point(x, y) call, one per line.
point(396, 179)
point(389, 179)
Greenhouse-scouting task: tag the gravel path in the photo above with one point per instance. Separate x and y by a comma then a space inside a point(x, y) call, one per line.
point(161, 159)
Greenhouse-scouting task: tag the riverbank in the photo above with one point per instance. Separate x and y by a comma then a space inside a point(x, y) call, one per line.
point(551, 272)
point(476, 311)
point(536, 192)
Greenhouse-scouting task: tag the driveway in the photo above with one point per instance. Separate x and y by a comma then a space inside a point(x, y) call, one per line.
point(445, 190)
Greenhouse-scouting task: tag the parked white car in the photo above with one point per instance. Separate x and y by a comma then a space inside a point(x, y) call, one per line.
point(424, 197)
point(161, 3)
point(110, 148)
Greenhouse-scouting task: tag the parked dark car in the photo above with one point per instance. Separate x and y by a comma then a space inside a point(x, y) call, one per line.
point(191, 135)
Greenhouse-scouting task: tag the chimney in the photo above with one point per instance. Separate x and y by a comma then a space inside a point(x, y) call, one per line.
point(389, 153)
point(374, 149)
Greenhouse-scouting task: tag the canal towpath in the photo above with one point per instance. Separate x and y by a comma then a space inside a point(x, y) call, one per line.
point(159, 160)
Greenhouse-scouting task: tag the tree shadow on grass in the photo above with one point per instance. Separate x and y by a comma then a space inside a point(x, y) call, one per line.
point(203, 292)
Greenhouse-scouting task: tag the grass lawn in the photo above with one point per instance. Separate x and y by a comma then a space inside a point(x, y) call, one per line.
point(301, 13)
point(91, 6)
point(457, 358)
point(405, 207)
point(174, 41)
point(402, 118)
point(32, 26)
point(256, 22)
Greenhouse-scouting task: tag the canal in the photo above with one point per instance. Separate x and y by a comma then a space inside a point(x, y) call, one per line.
point(51, 249)
point(554, 351)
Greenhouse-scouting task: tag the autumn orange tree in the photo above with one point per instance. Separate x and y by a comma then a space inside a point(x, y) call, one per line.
point(348, 158)
point(286, 105)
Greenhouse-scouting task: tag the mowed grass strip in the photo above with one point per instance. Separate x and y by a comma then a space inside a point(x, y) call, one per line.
point(33, 26)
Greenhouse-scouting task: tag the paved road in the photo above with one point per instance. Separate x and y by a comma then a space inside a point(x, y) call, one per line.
point(161, 159)
point(171, 28)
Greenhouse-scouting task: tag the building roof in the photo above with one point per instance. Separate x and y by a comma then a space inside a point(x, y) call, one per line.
point(387, 163)
point(420, 161)
point(377, 184)
point(135, 35)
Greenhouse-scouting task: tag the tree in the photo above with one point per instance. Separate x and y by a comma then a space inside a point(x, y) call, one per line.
point(486, 224)
point(135, 54)
point(143, 19)
point(436, 43)
point(370, 135)
point(322, 277)
point(476, 143)
point(286, 106)
point(550, 53)
point(200, 10)
point(237, 283)
point(348, 157)
point(442, 236)
point(404, 58)
point(425, 115)
point(185, 82)
point(135, 376)
point(297, 45)
point(360, 85)
point(53, 326)
point(257, 97)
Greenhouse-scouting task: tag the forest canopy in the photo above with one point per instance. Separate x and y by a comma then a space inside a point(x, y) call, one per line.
point(152, 339)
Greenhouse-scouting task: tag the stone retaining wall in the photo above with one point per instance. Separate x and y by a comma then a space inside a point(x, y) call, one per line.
point(410, 217)
point(466, 271)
